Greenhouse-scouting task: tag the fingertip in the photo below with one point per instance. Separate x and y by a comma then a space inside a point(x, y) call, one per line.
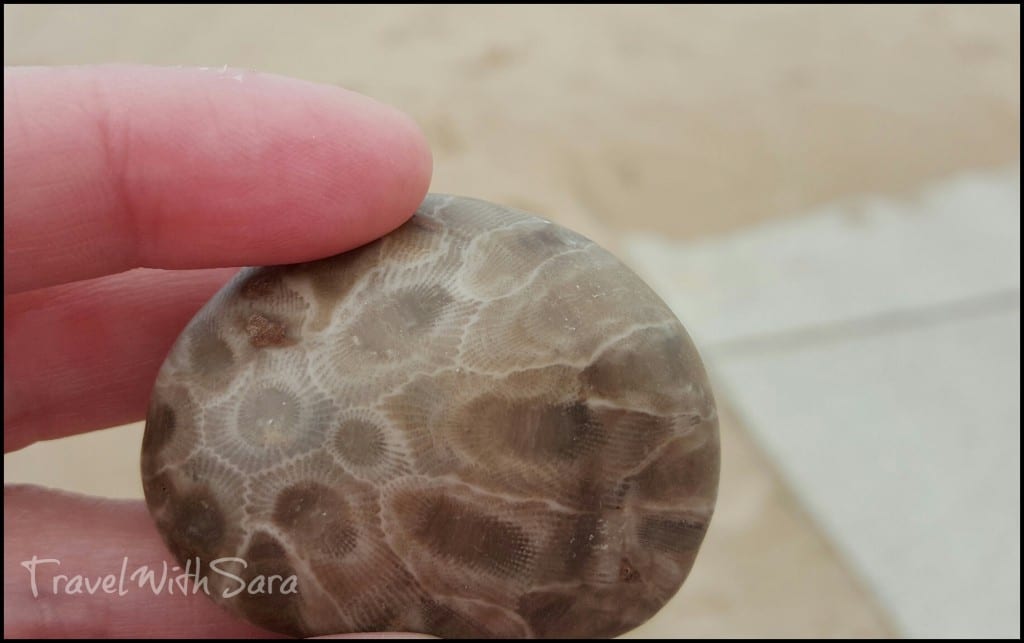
point(374, 160)
point(116, 167)
point(404, 168)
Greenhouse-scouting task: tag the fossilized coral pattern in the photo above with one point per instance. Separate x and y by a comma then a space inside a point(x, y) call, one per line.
point(480, 425)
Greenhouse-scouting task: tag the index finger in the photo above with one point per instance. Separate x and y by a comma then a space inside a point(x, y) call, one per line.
point(117, 167)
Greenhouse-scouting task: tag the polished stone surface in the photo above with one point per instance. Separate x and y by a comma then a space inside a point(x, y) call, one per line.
point(481, 425)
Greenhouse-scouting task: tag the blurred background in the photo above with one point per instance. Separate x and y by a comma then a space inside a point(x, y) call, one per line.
point(829, 198)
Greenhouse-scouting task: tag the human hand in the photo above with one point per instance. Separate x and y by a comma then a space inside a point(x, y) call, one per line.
point(129, 193)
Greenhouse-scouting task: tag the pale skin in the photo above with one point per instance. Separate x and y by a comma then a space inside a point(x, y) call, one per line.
point(130, 196)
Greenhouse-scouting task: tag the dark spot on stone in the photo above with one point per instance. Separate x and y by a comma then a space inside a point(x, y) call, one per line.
point(264, 331)
point(317, 517)
point(160, 425)
point(275, 610)
point(296, 503)
point(375, 616)
point(462, 533)
point(264, 547)
point(628, 573)
point(198, 527)
point(680, 471)
point(548, 237)
point(260, 285)
point(158, 490)
point(573, 430)
point(444, 622)
point(544, 611)
point(332, 278)
point(336, 539)
point(360, 442)
point(210, 355)
point(536, 429)
point(588, 491)
point(419, 309)
point(677, 536)
point(650, 364)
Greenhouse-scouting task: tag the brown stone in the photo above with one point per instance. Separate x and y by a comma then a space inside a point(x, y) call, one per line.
point(481, 425)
